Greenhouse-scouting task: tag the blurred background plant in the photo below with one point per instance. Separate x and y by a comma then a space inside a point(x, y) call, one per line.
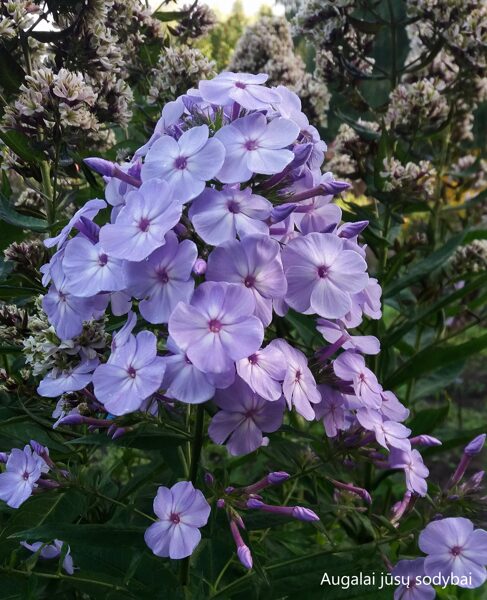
point(398, 90)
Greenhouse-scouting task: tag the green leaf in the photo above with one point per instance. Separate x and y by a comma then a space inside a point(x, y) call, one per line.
point(12, 74)
point(426, 266)
point(21, 145)
point(11, 216)
point(305, 325)
point(426, 421)
point(169, 15)
point(433, 357)
point(96, 535)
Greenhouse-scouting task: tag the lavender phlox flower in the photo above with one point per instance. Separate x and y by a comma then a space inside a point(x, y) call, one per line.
point(163, 279)
point(141, 226)
point(218, 328)
point(243, 417)
point(331, 410)
point(255, 264)
point(133, 373)
point(387, 433)
point(56, 382)
point(264, 372)
point(184, 382)
point(335, 332)
point(299, 386)
point(199, 267)
point(51, 551)
point(411, 574)
point(253, 145)
point(317, 215)
point(245, 89)
point(171, 114)
point(350, 366)
point(90, 270)
point(122, 336)
point(475, 446)
point(89, 211)
point(400, 508)
point(454, 547)
point(322, 275)
point(181, 511)
point(415, 470)
point(65, 311)
point(221, 216)
point(391, 408)
point(187, 163)
point(351, 230)
point(243, 551)
point(23, 470)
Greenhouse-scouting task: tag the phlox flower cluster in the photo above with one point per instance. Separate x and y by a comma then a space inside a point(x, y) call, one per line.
point(221, 224)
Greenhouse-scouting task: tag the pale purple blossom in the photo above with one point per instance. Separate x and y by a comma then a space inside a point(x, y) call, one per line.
point(184, 382)
point(56, 382)
point(299, 386)
point(454, 547)
point(186, 164)
point(133, 373)
point(163, 279)
point(88, 211)
point(253, 145)
point(181, 511)
point(141, 226)
point(335, 331)
point(415, 470)
point(51, 551)
point(90, 270)
point(322, 275)
point(243, 88)
point(218, 327)
point(411, 574)
point(254, 263)
point(243, 417)
point(264, 372)
point(350, 366)
point(331, 410)
point(22, 472)
point(221, 216)
point(387, 433)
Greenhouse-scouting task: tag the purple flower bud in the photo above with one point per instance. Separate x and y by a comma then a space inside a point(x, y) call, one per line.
point(229, 489)
point(48, 484)
point(475, 446)
point(101, 166)
point(425, 440)
point(361, 492)
point(120, 432)
point(304, 514)
point(244, 556)
point(476, 480)
point(3, 457)
point(220, 503)
point(199, 267)
point(254, 503)
point(277, 477)
point(281, 212)
point(302, 153)
point(238, 519)
point(71, 420)
point(334, 187)
point(208, 479)
point(180, 229)
point(351, 230)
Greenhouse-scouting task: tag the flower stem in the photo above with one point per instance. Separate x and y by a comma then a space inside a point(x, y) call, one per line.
point(196, 446)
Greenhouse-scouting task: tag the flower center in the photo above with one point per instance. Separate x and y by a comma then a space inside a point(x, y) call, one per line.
point(240, 85)
point(62, 296)
point(456, 551)
point(233, 207)
point(144, 224)
point(253, 359)
point(297, 377)
point(214, 326)
point(162, 276)
point(131, 372)
point(249, 281)
point(188, 362)
point(181, 163)
point(174, 518)
point(25, 476)
point(102, 260)
point(323, 272)
point(251, 145)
